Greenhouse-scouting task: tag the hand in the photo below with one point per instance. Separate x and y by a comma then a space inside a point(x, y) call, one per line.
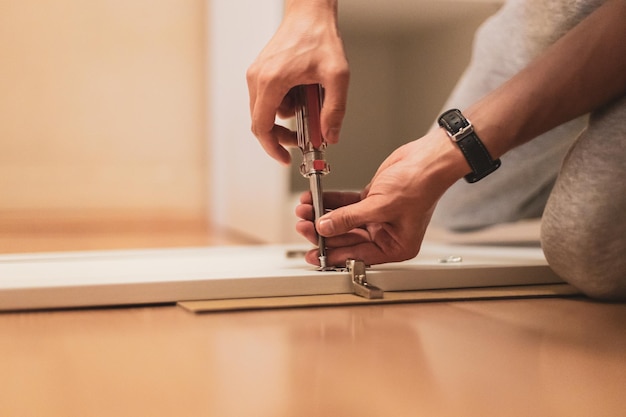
point(386, 222)
point(306, 49)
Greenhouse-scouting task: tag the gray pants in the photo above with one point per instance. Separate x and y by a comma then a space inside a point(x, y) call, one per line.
point(583, 229)
point(584, 223)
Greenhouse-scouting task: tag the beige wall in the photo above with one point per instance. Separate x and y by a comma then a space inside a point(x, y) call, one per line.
point(106, 108)
point(103, 108)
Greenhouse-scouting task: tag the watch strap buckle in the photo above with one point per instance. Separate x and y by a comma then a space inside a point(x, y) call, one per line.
point(461, 131)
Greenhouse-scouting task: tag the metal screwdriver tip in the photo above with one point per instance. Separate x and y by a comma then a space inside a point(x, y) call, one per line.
point(323, 266)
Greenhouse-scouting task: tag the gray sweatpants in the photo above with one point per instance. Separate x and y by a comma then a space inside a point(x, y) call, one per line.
point(584, 224)
point(583, 229)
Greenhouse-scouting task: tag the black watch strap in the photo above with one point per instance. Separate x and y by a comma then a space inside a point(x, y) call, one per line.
point(462, 133)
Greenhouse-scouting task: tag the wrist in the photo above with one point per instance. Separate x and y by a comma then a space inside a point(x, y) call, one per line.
point(313, 19)
point(311, 6)
point(443, 162)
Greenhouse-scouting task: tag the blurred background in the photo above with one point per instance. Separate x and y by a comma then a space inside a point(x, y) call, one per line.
point(135, 113)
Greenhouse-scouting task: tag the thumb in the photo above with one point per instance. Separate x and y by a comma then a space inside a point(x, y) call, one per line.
point(346, 218)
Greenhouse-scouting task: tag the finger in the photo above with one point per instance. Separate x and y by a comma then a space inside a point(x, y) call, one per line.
point(352, 216)
point(287, 105)
point(305, 212)
point(367, 252)
point(251, 77)
point(313, 257)
point(285, 137)
point(307, 230)
point(352, 238)
point(273, 148)
point(334, 107)
point(263, 113)
point(333, 199)
point(336, 199)
point(305, 198)
point(371, 253)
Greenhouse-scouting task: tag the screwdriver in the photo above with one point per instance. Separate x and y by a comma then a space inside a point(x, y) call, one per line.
point(308, 105)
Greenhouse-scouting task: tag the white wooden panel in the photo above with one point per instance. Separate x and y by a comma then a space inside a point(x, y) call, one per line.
point(31, 281)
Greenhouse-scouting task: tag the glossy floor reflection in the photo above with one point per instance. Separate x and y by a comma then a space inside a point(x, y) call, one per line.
point(480, 358)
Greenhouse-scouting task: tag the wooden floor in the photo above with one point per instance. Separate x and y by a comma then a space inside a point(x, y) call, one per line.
point(533, 357)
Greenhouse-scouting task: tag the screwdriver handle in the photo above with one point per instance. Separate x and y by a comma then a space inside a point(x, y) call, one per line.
point(308, 106)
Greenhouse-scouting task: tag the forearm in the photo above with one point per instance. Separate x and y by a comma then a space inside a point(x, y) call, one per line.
point(315, 16)
point(580, 72)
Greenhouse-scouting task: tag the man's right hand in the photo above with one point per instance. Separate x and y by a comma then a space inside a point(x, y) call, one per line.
point(306, 49)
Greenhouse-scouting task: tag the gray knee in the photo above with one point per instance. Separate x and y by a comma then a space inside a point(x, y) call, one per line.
point(584, 223)
point(583, 258)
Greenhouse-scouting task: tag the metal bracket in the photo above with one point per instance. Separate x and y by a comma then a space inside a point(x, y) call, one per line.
point(359, 281)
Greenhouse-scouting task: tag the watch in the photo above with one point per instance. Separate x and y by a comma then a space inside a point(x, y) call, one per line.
point(462, 133)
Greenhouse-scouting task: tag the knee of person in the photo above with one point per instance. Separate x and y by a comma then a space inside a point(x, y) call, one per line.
point(595, 266)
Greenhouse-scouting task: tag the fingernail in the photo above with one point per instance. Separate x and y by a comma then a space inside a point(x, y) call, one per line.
point(326, 227)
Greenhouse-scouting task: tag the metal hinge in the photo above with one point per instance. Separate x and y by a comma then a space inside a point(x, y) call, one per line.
point(359, 281)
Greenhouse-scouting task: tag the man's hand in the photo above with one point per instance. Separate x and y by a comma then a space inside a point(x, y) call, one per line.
point(306, 49)
point(386, 222)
